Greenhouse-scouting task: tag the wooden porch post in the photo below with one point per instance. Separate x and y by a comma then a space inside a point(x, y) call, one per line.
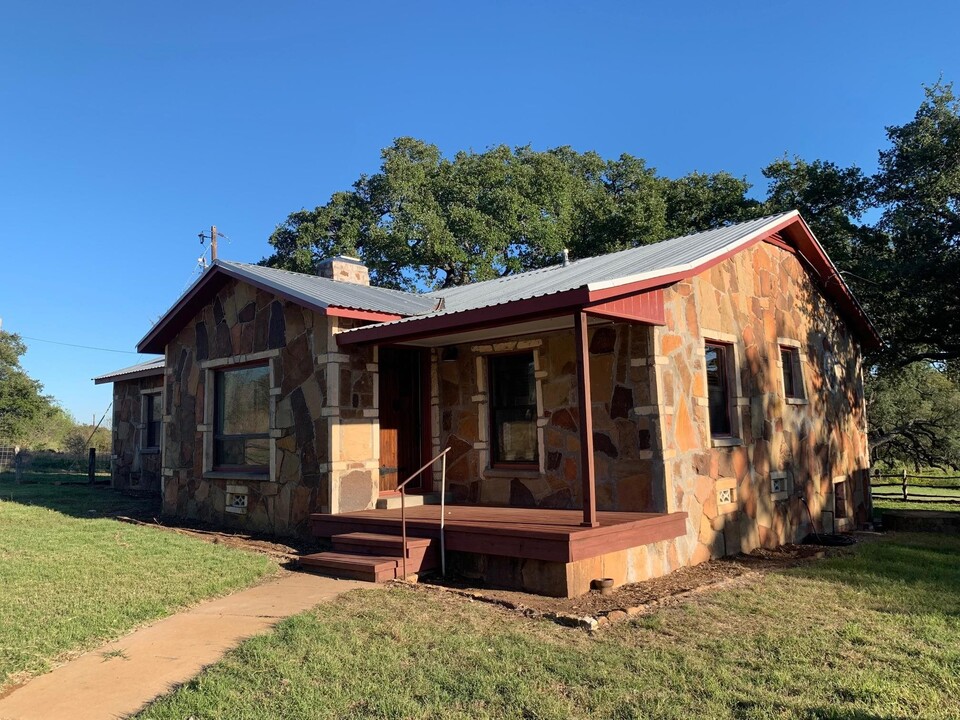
point(587, 473)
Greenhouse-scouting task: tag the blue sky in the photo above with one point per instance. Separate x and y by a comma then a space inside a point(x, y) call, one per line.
point(127, 128)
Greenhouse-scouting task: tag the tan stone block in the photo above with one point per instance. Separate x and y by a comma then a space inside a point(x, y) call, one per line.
point(356, 440)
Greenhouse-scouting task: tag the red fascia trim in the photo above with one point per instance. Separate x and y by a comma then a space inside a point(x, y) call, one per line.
point(354, 314)
point(480, 318)
point(644, 307)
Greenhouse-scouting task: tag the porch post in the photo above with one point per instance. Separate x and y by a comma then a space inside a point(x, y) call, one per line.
point(587, 474)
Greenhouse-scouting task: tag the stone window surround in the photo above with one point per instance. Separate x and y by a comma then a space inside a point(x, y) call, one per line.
point(735, 388)
point(142, 425)
point(796, 344)
point(210, 367)
point(481, 398)
point(785, 487)
point(722, 486)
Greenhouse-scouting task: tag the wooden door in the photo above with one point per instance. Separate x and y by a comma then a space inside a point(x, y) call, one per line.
point(400, 417)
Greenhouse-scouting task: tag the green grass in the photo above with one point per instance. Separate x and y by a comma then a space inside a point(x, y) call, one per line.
point(873, 634)
point(71, 577)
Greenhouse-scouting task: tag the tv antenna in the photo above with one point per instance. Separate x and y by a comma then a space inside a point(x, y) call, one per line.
point(212, 237)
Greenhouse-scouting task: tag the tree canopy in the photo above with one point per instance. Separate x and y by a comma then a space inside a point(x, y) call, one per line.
point(425, 221)
point(24, 409)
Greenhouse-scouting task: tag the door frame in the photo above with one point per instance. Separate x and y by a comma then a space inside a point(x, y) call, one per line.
point(424, 407)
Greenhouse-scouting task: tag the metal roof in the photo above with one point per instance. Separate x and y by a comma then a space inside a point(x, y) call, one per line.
point(617, 268)
point(144, 369)
point(324, 292)
point(611, 269)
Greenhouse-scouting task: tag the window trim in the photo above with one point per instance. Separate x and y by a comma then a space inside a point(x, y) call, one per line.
point(731, 386)
point(217, 437)
point(797, 357)
point(520, 465)
point(155, 397)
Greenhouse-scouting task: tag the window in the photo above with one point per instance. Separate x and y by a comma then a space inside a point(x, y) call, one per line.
point(718, 389)
point(792, 373)
point(242, 418)
point(513, 409)
point(841, 502)
point(153, 416)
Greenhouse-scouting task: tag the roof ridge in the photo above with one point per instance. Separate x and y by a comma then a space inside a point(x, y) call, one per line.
point(528, 273)
point(378, 288)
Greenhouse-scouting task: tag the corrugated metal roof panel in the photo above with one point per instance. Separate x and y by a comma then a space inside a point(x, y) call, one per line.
point(144, 369)
point(616, 268)
point(325, 292)
point(603, 268)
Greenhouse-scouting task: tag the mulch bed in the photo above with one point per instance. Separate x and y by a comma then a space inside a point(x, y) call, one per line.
point(594, 610)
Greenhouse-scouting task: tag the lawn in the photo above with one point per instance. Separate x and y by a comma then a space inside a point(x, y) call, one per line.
point(873, 634)
point(72, 577)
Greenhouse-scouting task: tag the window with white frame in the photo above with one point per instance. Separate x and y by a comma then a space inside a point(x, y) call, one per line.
point(720, 368)
point(152, 421)
point(513, 409)
point(792, 370)
point(242, 418)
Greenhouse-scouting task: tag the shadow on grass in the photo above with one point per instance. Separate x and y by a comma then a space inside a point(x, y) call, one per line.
point(69, 494)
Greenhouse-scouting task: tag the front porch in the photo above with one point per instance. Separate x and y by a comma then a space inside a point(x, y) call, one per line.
point(538, 550)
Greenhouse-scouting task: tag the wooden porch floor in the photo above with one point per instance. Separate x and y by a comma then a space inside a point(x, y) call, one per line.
point(552, 535)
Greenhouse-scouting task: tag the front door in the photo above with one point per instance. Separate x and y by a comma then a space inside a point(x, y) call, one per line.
point(400, 418)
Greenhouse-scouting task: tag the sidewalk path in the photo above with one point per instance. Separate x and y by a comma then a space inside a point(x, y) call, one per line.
point(121, 677)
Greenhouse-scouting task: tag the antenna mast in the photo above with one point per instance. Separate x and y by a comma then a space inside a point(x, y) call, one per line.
point(212, 237)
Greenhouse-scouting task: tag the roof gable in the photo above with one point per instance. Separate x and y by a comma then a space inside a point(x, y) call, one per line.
point(551, 289)
point(310, 291)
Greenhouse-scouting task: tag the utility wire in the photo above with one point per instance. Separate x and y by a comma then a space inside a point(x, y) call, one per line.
point(83, 347)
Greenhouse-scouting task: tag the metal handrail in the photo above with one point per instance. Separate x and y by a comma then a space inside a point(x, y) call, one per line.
point(403, 510)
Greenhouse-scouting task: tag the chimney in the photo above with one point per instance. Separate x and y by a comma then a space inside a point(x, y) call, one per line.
point(344, 269)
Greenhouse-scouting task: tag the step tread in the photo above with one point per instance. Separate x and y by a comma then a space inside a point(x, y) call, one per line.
point(380, 539)
point(350, 561)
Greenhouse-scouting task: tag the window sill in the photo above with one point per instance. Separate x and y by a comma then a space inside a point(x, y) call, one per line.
point(726, 442)
point(236, 475)
point(797, 401)
point(150, 451)
point(508, 472)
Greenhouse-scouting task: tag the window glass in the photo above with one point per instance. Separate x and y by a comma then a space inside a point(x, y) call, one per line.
point(718, 389)
point(792, 373)
point(242, 416)
point(513, 408)
point(154, 419)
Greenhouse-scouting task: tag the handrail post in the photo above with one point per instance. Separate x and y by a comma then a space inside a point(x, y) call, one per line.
point(403, 531)
point(443, 499)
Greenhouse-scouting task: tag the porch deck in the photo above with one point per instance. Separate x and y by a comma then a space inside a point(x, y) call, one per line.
point(530, 533)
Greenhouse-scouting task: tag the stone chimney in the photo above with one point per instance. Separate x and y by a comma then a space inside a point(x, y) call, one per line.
point(344, 269)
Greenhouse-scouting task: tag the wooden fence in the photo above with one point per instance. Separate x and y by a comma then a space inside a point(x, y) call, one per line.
point(903, 491)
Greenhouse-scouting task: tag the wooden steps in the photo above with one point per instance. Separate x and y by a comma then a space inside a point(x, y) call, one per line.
point(372, 557)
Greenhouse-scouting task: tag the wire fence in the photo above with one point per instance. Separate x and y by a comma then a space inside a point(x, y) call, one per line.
point(917, 488)
point(14, 458)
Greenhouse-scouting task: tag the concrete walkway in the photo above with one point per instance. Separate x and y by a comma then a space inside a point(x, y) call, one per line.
point(118, 679)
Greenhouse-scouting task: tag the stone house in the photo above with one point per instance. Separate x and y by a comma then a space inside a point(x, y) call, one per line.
point(618, 416)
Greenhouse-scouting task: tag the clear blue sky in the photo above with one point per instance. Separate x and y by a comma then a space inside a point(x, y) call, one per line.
point(128, 127)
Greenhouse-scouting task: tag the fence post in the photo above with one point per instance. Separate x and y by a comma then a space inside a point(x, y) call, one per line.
point(904, 485)
point(18, 465)
point(92, 466)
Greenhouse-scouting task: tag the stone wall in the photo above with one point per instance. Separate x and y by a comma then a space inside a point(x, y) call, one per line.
point(624, 417)
point(135, 467)
point(758, 299)
point(244, 324)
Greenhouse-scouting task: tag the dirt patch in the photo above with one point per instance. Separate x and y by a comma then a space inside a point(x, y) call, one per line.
point(594, 609)
point(284, 553)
